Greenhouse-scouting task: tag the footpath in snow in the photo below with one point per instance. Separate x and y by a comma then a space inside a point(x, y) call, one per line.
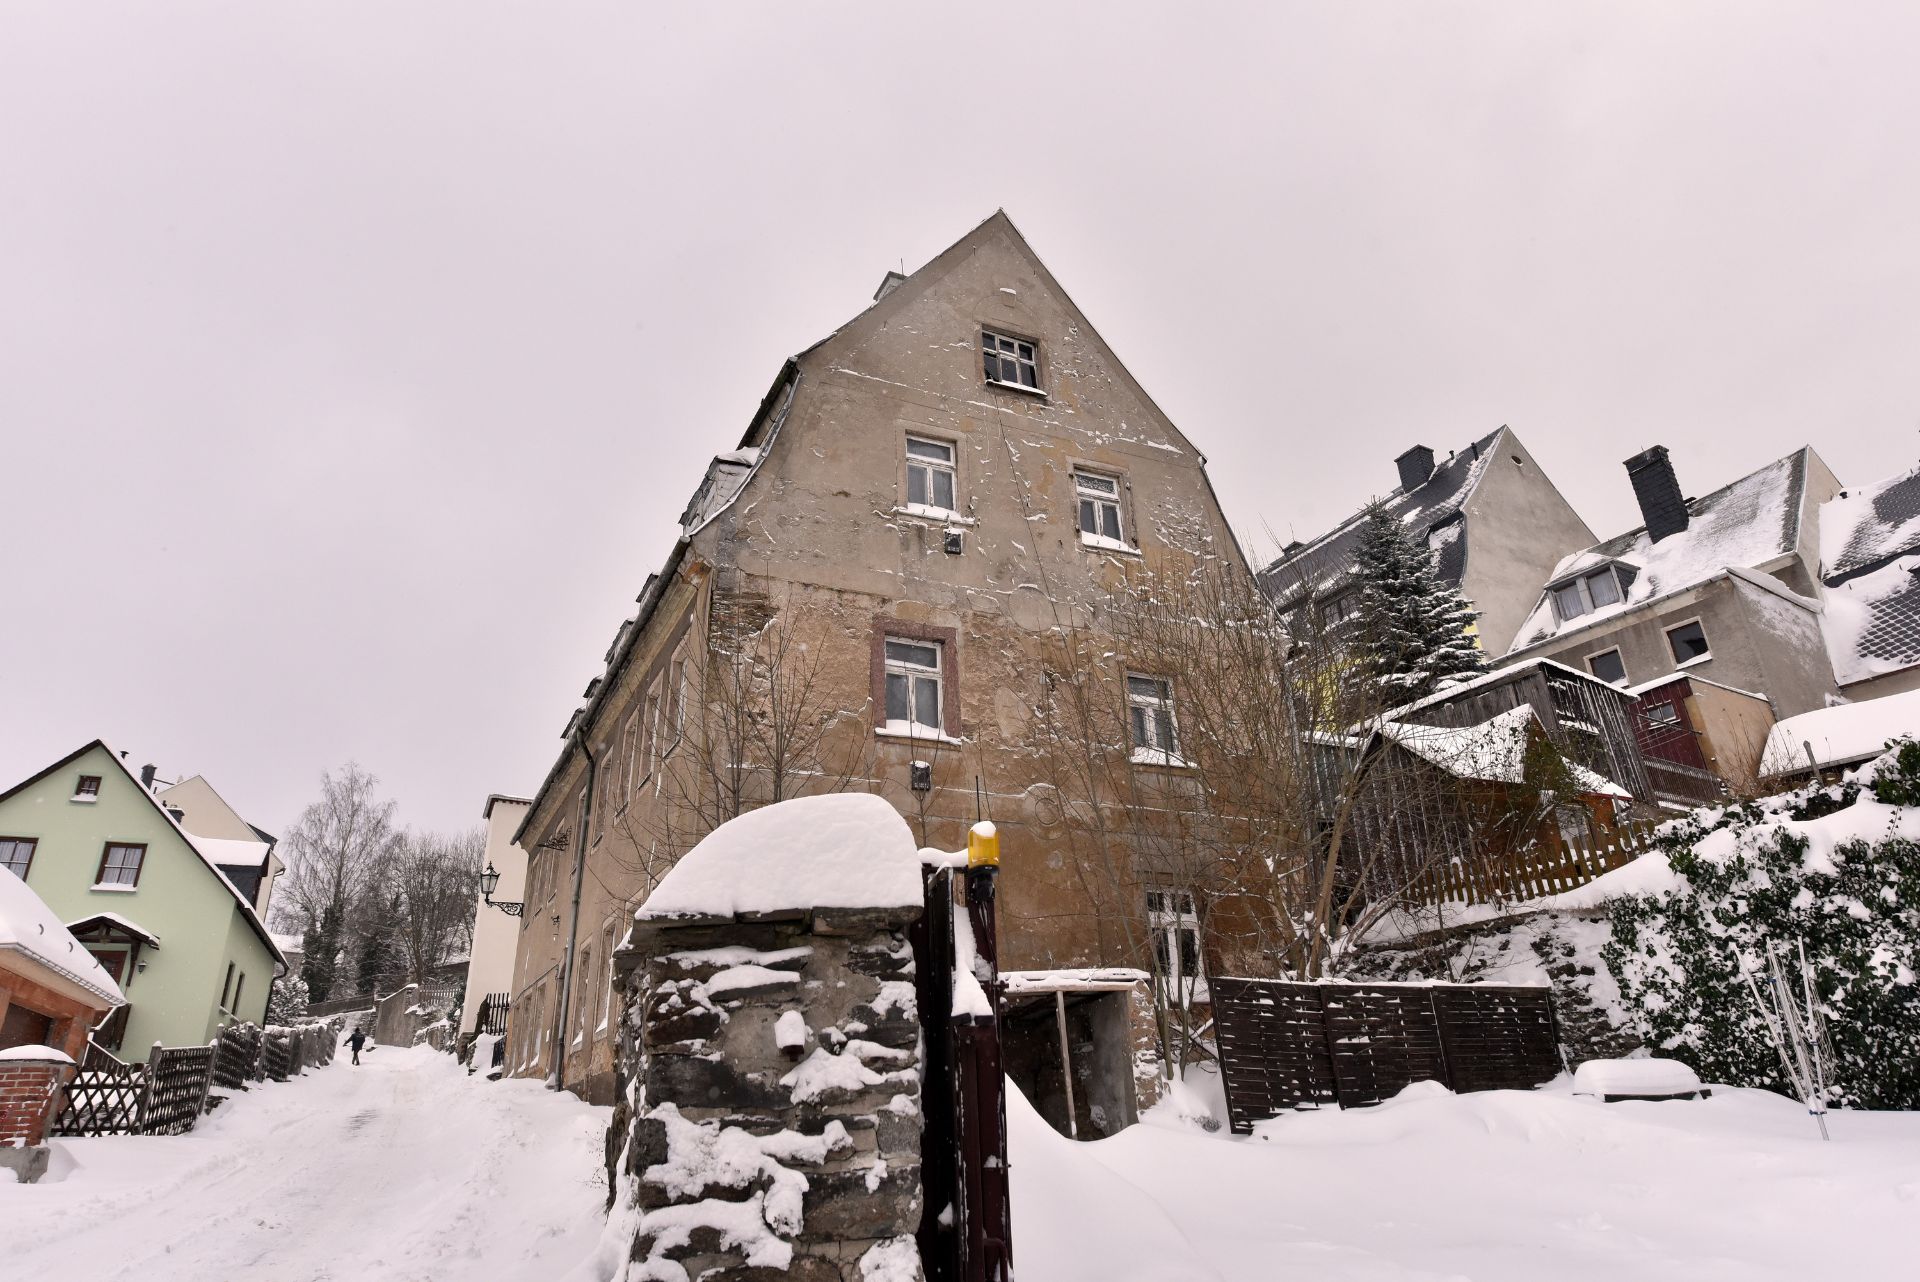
point(403, 1169)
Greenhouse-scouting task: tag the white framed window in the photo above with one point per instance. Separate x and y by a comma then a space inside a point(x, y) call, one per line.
point(1099, 501)
point(913, 692)
point(606, 995)
point(630, 775)
point(1150, 715)
point(932, 481)
point(1688, 641)
point(1608, 666)
point(1011, 361)
point(1174, 926)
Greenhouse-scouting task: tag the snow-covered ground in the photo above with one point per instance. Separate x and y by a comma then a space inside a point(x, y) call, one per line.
point(400, 1170)
point(407, 1169)
point(1493, 1186)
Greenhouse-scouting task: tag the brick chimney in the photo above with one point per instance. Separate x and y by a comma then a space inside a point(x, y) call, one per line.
point(1416, 465)
point(1662, 506)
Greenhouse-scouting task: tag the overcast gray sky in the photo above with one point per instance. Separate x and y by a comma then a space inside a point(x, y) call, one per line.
point(357, 359)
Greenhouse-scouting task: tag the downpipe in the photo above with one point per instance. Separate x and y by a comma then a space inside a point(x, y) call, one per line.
point(559, 1082)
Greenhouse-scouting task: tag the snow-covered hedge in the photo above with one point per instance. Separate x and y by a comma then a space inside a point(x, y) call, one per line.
point(1835, 867)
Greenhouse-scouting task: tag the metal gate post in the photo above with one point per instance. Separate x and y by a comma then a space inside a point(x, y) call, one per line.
point(987, 1241)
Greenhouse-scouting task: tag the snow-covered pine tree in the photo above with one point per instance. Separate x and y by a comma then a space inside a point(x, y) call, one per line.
point(288, 1003)
point(1411, 626)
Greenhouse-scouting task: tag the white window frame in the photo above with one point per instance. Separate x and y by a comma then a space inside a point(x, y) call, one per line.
point(1174, 919)
point(1678, 662)
point(915, 674)
point(1144, 726)
point(930, 469)
point(1000, 350)
point(1625, 679)
point(630, 747)
point(1087, 490)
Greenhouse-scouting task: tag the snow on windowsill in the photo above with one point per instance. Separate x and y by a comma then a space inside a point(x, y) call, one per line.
point(1106, 544)
point(914, 730)
point(1694, 662)
point(1159, 757)
point(927, 512)
point(1018, 387)
point(118, 888)
point(85, 797)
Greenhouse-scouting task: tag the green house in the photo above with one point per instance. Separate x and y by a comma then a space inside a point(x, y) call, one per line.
point(185, 945)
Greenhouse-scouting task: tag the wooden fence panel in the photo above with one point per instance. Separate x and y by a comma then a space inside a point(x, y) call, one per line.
point(1272, 1040)
point(176, 1088)
point(233, 1063)
point(103, 1098)
point(1496, 1037)
point(1286, 1045)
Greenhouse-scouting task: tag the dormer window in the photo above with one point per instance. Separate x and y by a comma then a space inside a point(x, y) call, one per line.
point(1594, 590)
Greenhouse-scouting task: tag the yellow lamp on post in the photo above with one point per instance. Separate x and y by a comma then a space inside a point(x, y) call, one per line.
point(983, 846)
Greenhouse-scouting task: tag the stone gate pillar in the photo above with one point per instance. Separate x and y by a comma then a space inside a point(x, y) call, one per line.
point(769, 1064)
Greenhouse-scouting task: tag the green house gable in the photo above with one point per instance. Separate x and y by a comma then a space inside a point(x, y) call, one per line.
point(102, 851)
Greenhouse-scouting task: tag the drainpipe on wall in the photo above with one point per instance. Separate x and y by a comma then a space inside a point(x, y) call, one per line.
point(573, 926)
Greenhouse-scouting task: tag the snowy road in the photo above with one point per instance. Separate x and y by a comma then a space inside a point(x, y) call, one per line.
point(400, 1170)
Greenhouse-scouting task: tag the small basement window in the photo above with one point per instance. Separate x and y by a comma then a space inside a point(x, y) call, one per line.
point(1099, 498)
point(1013, 362)
point(1608, 666)
point(931, 479)
point(913, 683)
point(1688, 642)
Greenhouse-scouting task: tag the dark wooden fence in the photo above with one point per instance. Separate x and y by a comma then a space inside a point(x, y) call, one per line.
point(1286, 1045)
point(178, 1079)
point(103, 1098)
point(167, 1094)
point(492, 1018)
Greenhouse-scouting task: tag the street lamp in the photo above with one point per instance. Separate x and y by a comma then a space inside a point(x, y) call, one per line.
point(489, 881)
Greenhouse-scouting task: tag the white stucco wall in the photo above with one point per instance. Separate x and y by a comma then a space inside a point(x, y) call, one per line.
point(495, 935)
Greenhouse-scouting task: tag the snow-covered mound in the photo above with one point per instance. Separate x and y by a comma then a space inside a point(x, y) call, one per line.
point(844, 850)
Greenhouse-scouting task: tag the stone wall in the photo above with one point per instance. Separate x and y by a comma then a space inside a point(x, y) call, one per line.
point(769, 1114)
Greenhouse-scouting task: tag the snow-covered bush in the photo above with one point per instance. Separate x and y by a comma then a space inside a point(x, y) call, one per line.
point(288, 1002)
point(1835, 868)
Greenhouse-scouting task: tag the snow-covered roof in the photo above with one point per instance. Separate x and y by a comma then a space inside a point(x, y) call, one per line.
point(29, 927)
point(1746, 524)
point(232, 850)
point(126, 924)
point(1429, 509)
point(1494, 750)
point(1870, 567)
point(843, 850)
point(1497, 676)
point(1840, 736)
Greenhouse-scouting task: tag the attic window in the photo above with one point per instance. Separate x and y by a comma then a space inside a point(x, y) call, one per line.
point(1012, 362)
point(88, 789)
point(1594, 590)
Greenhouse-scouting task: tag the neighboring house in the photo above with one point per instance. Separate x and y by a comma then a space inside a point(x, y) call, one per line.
point(495, 932)
point(1870, 570)
point(1496, 524)
point(1829, 740)
point(245, 853)
point(1457, 765)
point(52, 990)
point(1699, 736)
point(1723, 588)
point(920, 503)
point(184, 944)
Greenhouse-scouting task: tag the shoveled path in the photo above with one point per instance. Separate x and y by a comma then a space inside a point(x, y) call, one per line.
point(399, 1170)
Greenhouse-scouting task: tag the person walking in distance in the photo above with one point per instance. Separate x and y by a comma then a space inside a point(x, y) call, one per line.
point(356, 1041)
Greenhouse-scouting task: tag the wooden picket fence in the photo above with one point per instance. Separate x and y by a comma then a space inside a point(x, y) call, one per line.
point(167, 1094)
point(1550, 866)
